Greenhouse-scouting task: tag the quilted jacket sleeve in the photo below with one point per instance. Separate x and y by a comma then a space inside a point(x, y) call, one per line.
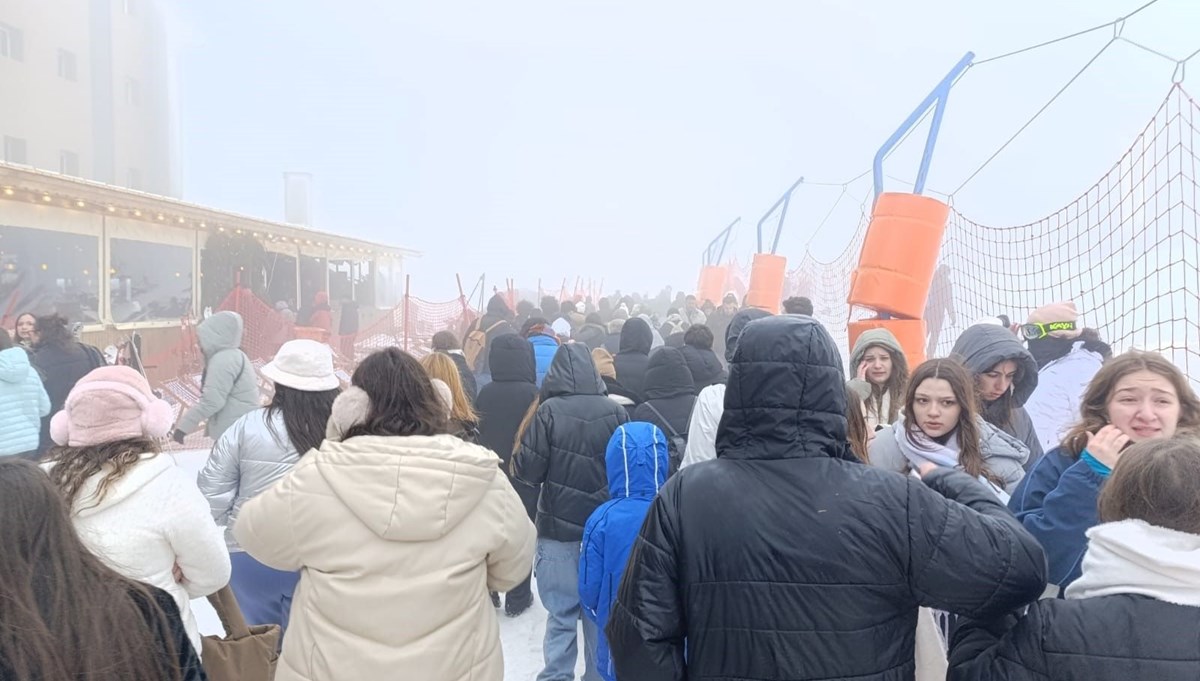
point(218, 480)
point(1003, 649)
point(591, 563)
point(968, 554)
point(511, 560)
point(531, 461)
point(265, 525)
point(645, 630)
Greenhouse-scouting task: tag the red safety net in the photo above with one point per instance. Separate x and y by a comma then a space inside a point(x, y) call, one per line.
point(1126, 251)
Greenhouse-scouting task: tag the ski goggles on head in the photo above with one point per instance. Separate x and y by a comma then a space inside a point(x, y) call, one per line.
point(1037, 331)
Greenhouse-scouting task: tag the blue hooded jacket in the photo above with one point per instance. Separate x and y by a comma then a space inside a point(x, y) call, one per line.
point(544, 349)
point(637, 464)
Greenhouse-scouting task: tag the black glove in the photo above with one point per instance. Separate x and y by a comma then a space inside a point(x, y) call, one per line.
point(178, 436)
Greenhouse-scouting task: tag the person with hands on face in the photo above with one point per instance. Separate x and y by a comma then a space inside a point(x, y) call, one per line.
point(881, 376)
point(1136, 397)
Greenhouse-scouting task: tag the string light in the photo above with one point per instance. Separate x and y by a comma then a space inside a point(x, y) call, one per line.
point(112, 208)
point(46, 198)
point(80, 204)
point(8, 191)
point(137, 213)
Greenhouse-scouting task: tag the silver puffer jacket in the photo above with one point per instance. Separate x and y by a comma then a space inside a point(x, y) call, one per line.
point(245, 462)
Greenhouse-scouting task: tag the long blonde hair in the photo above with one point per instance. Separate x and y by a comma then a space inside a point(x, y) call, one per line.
point(439, 365)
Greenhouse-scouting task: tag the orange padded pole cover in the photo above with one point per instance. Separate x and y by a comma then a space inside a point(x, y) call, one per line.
point(766, 282)
point(910, 333)
point(899, 255)
point(712, 283)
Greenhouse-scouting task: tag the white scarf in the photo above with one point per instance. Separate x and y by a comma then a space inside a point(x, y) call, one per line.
point(1135, 557)
point(928, 450)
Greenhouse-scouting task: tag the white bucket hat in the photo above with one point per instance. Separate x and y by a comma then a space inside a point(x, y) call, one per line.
point(303, 365)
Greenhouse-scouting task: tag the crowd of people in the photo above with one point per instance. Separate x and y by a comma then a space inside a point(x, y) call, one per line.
point(697, 488)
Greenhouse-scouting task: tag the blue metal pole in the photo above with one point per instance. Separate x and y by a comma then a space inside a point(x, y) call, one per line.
point(725, 241)
point(936, 97)
point(783, 201)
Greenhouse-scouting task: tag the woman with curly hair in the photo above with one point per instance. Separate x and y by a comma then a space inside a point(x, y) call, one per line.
point(132, 506)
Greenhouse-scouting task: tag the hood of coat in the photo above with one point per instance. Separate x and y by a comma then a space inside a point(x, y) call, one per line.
point(637, 336)
point(637, 461)
point(736, 325)
point(14, 365)
point(498, 307)
point(667, 375)
point(983, 346)
point(511, 360)
point(408, 489)
point(572, 373)
point(222, 331)
point(871, 338)
point(1135, 557)
point(785, 397)
point(149, 468)
point(592, 335)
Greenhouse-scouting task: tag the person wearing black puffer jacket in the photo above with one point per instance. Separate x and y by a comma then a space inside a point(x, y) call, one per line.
point(670, 395)
point(787, 558)
point(563, 450)
point(502, 405)
point(634, 357)
point(62, 361)
point(702, 361)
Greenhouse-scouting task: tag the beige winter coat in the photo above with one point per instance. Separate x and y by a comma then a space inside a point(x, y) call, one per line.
point(399, 540)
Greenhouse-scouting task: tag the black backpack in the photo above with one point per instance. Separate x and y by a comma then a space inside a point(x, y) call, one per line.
point(676, 443)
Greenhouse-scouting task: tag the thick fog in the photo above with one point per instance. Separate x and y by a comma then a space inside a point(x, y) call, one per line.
point(613, 140)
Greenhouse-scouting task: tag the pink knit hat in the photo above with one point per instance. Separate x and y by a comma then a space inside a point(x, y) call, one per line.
point(1057, 312)
point(109, 405)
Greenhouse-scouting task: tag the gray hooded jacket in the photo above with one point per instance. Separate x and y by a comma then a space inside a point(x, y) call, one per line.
point(982, 347)
point(230, 386)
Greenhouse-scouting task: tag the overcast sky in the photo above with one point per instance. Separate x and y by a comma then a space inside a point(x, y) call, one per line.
point(613, 139)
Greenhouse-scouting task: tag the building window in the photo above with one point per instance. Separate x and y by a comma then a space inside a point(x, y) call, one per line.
point(43, 272)
point(130, 7)
point(149, 281)
point(68, 65)
point(68, 163)
point(133, 92)
point(14, 150)
point(12, 42)
point(134, 179)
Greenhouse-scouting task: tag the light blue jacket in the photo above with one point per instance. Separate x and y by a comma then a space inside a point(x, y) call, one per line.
point(23, 403)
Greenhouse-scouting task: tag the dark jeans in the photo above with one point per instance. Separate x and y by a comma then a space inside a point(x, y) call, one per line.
point(529, 497)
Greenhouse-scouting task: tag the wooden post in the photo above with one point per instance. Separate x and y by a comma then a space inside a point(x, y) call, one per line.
point(407, 309)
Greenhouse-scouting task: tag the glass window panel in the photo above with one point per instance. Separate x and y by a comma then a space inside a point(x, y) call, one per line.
point(44, 272)
point(148, 281)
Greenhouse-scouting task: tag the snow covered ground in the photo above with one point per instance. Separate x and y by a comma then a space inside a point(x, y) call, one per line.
point(521, 636)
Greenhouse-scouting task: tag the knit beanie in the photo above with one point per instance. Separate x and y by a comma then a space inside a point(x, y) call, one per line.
point(1057, 312)
point(111, 404)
